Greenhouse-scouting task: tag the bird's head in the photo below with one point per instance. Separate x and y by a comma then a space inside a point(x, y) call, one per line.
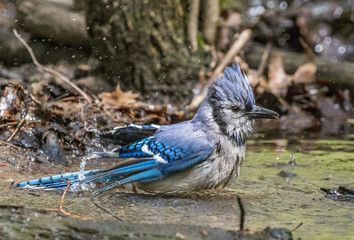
point(233, 104)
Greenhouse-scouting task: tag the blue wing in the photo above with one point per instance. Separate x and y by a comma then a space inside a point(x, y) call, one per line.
point(128, 134)
point(172, 149)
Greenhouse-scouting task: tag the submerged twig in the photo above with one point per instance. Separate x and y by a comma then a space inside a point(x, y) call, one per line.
point(9, 144)
point(8, 124)
point(5, 165)
point(300, 224)
point(16, 130)
point(108, 212)
point(242, 213)
point(49, 70)
point(234, 50)
point(308, 49)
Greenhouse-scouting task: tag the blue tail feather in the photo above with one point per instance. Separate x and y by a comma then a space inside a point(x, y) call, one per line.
point(56, 181)
point(145, 170)
point(119, 173)
point(149, 174)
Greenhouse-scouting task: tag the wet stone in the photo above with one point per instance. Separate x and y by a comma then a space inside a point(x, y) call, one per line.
point(286, 174)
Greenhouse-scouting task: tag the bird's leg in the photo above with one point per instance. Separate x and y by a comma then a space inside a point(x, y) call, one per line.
point(62, 203)
point(5, 165)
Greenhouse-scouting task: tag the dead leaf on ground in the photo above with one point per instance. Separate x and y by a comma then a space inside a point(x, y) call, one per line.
point(67, 107)
point(118, 98)
point(257, 81)
point(305, 73)
point(278, 81)
point(10, 103)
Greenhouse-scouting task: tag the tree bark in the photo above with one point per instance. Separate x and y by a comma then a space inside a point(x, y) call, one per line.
point(193, 24)
point(210, 15)
point(143, 45)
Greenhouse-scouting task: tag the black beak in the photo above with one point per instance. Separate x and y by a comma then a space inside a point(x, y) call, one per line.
point(259, 112)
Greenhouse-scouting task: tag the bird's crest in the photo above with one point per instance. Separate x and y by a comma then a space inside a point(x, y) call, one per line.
point(233, 87)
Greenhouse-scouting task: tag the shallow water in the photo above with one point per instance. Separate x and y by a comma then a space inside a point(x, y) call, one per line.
point(269, 199)
point(287, 202)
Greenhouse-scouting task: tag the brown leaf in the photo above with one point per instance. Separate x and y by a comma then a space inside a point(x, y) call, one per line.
point(10, 103)
point(118, 98)
point(278, 81)
point(305, 73)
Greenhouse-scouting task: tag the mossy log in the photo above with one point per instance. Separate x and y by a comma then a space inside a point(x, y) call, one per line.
point(143, 45)
point(52, 21)
point(340, 72)
point(24, 224)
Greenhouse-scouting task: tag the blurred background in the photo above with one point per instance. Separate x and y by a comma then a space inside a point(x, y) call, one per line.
point(103, 64)
point(298, 56)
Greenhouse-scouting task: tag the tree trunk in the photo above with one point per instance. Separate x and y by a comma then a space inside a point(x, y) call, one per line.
point(143, 45)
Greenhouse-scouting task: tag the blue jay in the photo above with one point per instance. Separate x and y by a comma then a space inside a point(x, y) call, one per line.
point(203, 153)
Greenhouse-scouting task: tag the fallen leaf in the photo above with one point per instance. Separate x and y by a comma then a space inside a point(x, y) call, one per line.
point(118, 98)
point(278, 81)
point(304, 74)
point(10, 103)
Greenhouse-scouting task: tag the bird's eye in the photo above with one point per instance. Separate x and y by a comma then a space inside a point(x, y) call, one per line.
point(235, 109)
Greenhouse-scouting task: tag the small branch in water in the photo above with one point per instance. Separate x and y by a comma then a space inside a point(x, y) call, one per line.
point(51, 71)
point(242, 213)
point(9, 144)
point(8, 124)
point(16, 130)
point(300, 224)
point(108, 212)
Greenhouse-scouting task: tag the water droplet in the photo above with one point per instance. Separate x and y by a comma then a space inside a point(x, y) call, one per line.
point(270, 4)
point(318, 48)
point(341, 50)
point(283, 5)
point(338, 12)
point(327, 40)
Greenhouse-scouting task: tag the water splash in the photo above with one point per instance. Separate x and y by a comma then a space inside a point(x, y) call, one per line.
point(83, 164)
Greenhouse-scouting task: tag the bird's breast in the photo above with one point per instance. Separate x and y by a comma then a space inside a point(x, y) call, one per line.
point(225, 164)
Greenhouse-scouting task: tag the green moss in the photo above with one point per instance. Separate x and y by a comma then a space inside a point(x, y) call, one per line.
point(269, 199)
point(287, 202)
